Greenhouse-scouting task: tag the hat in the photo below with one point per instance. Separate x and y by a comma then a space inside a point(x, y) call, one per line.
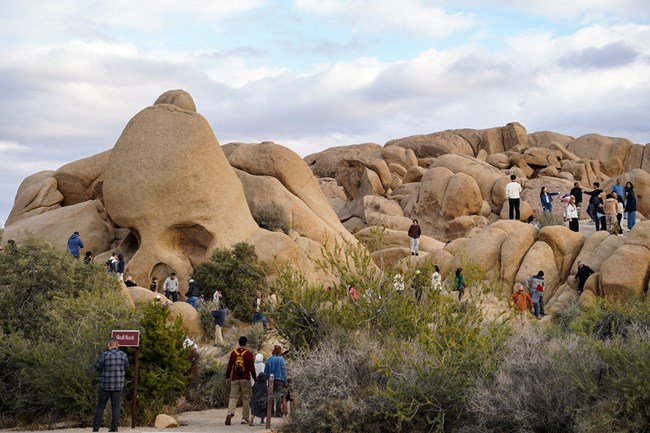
point(259, 357)
point(417, 272)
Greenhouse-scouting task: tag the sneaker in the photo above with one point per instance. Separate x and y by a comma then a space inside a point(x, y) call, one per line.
point(228, 418)
point(244, 421)
point(261, 422)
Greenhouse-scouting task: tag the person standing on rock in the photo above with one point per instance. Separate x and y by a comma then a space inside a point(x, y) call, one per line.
point(601, 220)
point(576, 192)
point(536, 286)
point(111, 365)
point(238, 376)
point(259, 305)
point(414, 235)
point(571, 214)
point(219, 316)
point(513, 190)
point(154, 284)
point(630, 205)
point(593, 203)
point(193, 294)
point(120, 267)
point(547, 199)
point(170, 286)
point(74, 245)
point(619, 190)
point(582, 275)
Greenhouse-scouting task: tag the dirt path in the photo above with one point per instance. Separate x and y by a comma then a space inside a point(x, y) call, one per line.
point(211, 420)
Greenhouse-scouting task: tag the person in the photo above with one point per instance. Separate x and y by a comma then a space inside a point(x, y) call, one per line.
point(275, 366)
point(259, 364)
point(398, 283)
point(193, 294)
point(582, 275)
point(513, 189)
point(547, 199)
point(111, 365)
point(610, 208)
point(576, 192)
point(436, 279)
point(531, 220)
point(593, 203)
point(521, 300)
point(414, 235)
point(460, 283)
point(238, 376)
point(571, 214)
point(13, 248)
point(630, 205)
point(536, 286)
point(259, 305)
point(258, 399)
point(601, 221)
point(129, 281)
point(619, 190)
point(620, 209)
point(120, 267)
point(154, 284)
point(111, 263)
point(74, 245)
point(170, 286)
point(217, 296)
point(88, 257)
point(418, 286)
point(352, 291)
point(219, 319)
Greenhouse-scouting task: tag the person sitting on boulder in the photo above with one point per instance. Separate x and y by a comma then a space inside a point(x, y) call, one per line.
point(129, 282)
point(582, 275)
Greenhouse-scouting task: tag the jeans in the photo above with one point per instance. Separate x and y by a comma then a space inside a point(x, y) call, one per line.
point(631, 220)
point(591, 212)
point(193, 301)
point(257, 316)
point(171, 295)
point(278, 390)
point(115, 408)
point(536, 308)
point(415, 245)
point(513, 213)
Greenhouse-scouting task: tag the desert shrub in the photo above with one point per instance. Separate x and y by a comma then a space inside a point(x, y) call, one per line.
point(207, 320)
point(272, 218)
point(209, 390)
point(606, 319)
point(548, 219)
point(237, 273)
point(165, 365)
point(334, 384)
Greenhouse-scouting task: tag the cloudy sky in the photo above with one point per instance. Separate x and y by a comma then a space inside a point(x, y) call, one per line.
point(311, 74)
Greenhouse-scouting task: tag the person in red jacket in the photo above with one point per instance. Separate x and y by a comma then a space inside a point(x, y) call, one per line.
point(241, 367)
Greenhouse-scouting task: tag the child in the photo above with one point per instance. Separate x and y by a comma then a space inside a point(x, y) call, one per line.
point(258, 400)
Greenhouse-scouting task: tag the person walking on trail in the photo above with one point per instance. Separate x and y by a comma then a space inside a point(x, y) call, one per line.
point(259, 305)
point(259, 398)
point(582, 275)
point(536, 286)
point(193, 294)
point(276, 366)
point(111, 365)
point(414, 235)
point(513, 189)
point(170, 286)
point(74, 245)
point(219, 316)
point(521, 300)
point(238, 376)
point(460, 283)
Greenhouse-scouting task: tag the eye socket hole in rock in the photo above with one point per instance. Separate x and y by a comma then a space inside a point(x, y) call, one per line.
point(160, 271)
point(193, 240)
point(129, 245)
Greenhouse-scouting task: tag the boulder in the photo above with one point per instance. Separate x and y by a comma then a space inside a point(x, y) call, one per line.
point(641, 181)
point(57, 225)
point(325, 163)
point(625, 274)
point(399, 155)
point(525, 211)
point(483, 250)
point(393, 222)
point(414, 174)
point(353, 224)
point(552, 172)
point(564, 296)
point(483, 173)
point(142, 296)
point(379, 204)
point(434, 145)
point(81, 180)
point(191, 319)
point(178, 98)
point(390, 257)
point(598, 247)
point(634, 157)
point(165, 421)
point(513, 251)
point(334, 194)
point(181, 217)
point(519, 161)
point(532, 188)
point(376, 239)
point(492, 141)
point(499, 160)
point(611, 152)
point(395, 182)
point(547, 139)
point(580, 171)
point(397, 169)
point(515, 136)
point(36, 194)
point(565, 244)
point(640, 235)
point(358, 181)
point(540, 257)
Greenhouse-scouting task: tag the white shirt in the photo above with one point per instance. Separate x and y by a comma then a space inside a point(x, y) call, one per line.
point(571, 211)
point(513, 189)
point(170, 285)
point(436, 281)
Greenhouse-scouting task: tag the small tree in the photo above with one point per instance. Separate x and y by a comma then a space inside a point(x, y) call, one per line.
point(237, 273)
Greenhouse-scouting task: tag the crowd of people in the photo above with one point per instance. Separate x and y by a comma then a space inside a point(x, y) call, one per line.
point(606, 210)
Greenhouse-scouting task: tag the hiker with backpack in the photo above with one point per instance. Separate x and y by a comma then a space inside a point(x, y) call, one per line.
point(238, 376)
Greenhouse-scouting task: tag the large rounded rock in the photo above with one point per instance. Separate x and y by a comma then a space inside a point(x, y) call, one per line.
point(483, 250)
point(191, 319)
point(434, 145)
point(598, 248)
point(483, 173)
point(462, 197)
point(566, 245)
point(179, 98)
point(36, 194)
point(525, 211)
point(414, 174)
point(611, 152)
point(57, 225)
point(625, 273)
point(376, 239)
point(540, 257)
point(515, 136)
point(641, 181)
point(513, 251)
point(399, 155)
point(542, 157)
point(499, 160)
point(358, 181)
point(156, 184)
point(547, 139)
point(325, 163)
point(81, 180)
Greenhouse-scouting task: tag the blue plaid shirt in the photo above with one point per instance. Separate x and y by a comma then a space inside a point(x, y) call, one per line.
point(111, 366)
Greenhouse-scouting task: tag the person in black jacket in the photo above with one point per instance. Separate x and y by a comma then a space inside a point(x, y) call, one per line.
point(414, 233)
point(576, 192)
point(630, 205)
point(582, 275)
point(193, 294)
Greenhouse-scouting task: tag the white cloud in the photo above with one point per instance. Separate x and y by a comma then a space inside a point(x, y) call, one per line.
point(383, 15)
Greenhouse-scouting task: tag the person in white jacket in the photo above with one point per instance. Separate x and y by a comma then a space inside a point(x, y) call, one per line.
point(259, 365)
point(571, 214)
point(436, 279)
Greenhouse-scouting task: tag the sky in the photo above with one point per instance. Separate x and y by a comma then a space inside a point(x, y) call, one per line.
point(312, 74)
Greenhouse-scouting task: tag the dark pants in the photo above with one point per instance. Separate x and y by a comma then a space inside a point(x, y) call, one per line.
point(574, 225)
point(514, 208)
point(259, 316)
point(171, 295)
point(541, 305)
point(278, 390)
point(619, 217)
point(115, 408)
point(601, 223)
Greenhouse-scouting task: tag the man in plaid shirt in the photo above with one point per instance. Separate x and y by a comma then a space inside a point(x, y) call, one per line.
point(111, 366)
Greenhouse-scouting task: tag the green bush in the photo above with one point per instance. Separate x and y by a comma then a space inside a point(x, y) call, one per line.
point(237, 273)
point(272, 218)
point(209, 389)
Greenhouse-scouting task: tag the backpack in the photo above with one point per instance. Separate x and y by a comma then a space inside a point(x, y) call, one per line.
point(240, 367)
